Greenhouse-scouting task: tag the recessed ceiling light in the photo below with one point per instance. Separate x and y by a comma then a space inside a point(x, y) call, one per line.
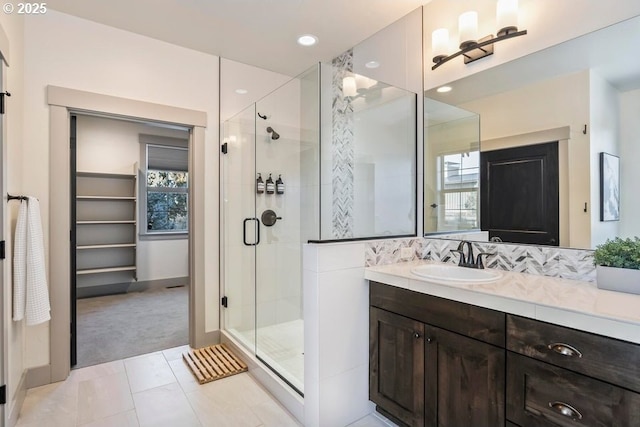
point(372, 64)
point(307, 40)
point(241, 91)
point(444, 89)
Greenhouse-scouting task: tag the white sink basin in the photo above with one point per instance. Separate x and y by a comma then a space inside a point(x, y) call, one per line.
point(453, 273)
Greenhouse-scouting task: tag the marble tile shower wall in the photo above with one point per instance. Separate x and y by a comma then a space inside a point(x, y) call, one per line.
point(342, 151)
point(574, 264)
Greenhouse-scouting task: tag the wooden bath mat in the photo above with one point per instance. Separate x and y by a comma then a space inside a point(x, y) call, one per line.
point(213, 362)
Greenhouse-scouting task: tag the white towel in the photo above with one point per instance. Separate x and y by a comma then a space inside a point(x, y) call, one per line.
point(32, 300)
point(20, 263)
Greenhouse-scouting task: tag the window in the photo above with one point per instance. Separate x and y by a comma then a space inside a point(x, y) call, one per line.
point(459, 178)
point(164, 209)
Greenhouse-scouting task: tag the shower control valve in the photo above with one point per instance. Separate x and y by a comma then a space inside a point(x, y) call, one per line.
point(269, 218)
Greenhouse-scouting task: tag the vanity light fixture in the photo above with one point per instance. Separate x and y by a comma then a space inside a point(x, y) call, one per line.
point(307, 40)
point(444, 89)
point(472, 48)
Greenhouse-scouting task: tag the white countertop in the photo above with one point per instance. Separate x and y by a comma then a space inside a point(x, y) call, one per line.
point(571, 303)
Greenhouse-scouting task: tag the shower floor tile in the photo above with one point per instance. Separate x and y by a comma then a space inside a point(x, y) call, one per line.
point(281, 346)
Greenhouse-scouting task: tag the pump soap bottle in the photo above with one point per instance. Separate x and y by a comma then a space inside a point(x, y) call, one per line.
point(270, 186)
point(279, 185)
point(259, 184)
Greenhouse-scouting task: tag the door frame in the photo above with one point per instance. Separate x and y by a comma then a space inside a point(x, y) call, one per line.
point(7, 410)
point(4, 341)
point(62, 102)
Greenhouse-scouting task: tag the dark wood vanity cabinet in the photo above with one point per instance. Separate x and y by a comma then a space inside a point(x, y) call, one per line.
point(397, 365)
point(559, 376)
point(441, 363)
point(425, 369)
point(464, 381)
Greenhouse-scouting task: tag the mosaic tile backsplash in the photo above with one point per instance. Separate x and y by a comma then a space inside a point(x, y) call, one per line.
point(574, 264)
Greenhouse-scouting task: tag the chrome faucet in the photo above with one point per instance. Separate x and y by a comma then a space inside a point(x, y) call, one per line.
point(468, 260)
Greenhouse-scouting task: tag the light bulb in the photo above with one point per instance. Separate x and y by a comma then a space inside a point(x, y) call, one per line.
point(507, 16)
point(349, 86)
point(468, 29)
point(440, 44)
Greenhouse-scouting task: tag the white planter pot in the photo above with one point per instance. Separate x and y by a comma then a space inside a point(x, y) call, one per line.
point(618, 279)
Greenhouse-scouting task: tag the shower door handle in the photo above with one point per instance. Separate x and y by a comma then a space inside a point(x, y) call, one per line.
point(244, 231)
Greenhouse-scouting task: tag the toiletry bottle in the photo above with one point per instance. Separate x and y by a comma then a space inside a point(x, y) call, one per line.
point(259, 185)
point(270, 186)
point(279, 185)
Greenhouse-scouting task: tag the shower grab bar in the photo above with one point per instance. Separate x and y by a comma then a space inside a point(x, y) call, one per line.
point(244, 231)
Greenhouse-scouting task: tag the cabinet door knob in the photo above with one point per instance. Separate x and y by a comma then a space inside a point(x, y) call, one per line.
point(429, 340)
point(565, 349)
point(566, 410)
point(416, 335)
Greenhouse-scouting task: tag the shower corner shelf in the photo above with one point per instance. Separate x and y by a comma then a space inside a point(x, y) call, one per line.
point(106, 230)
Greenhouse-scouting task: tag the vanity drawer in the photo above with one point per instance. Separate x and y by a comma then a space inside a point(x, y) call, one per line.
point(541, 395)
point(475, 322)
point(608, 359)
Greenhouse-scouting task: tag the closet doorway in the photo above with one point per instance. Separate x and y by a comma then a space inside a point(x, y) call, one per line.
point(130, 238)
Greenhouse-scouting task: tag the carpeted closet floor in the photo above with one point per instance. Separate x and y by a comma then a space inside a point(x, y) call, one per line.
point(119, 326)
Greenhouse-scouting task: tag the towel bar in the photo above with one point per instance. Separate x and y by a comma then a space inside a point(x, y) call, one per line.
point(11, 197)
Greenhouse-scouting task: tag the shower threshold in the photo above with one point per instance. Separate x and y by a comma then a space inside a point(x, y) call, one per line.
point(281, 347)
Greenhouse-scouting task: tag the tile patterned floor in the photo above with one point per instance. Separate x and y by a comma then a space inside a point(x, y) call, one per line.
point(281, 346)
point(156, 390)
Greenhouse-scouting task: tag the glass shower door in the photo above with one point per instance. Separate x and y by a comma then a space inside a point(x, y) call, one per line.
point(240, 227)
point(262, 248)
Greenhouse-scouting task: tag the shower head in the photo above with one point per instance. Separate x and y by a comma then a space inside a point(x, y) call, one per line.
point(274, 135)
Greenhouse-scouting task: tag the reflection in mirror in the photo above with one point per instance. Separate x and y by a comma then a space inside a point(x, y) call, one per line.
point(584, 94)
point(368, 157)
point(452, 159)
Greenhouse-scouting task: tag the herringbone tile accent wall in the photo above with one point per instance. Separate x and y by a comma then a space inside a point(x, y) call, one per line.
point(542, 260)
point(342, 151)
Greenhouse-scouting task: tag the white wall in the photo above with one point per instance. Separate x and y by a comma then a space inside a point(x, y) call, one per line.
point(554, 103)
point(548, 22)
point(256, 81)
point(13, 133)
point(629, 170)
point(398, 50)
point(70, 52)
point(604, 137)
point(336, 339)
point(113, 146)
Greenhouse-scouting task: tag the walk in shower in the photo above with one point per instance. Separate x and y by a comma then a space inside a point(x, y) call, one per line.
point(328, 156)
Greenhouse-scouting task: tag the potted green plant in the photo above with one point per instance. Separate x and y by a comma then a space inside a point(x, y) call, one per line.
point(617, 264)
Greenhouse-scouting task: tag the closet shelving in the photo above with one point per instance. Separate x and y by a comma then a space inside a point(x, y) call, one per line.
point(106, 230)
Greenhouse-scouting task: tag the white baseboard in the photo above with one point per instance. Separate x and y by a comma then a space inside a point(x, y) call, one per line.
point(15, 404)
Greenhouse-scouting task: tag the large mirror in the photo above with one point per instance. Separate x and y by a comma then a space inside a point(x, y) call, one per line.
point(570, 102)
